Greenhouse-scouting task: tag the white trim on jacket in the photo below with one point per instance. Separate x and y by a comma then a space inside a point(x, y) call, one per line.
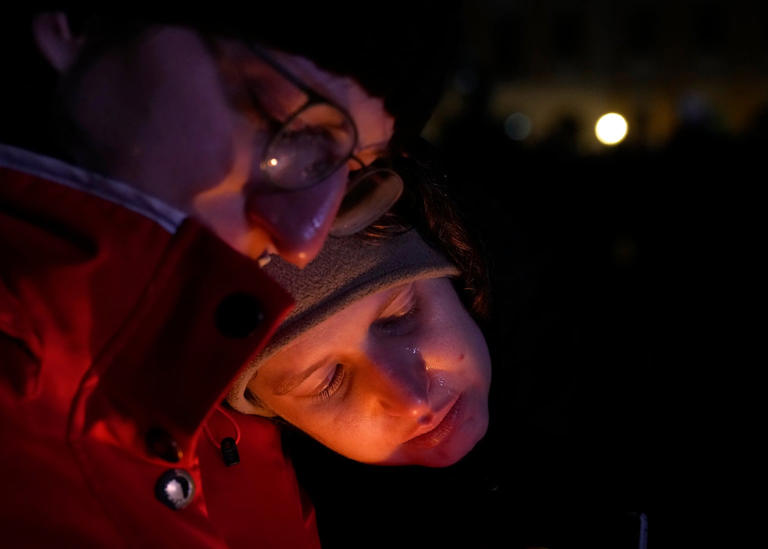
point(115, 191)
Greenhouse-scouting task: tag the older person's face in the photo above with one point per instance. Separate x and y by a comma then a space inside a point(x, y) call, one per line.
point(399, 377)
point(160, 113)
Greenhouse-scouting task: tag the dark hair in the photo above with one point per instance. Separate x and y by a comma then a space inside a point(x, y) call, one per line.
point(427, 207)
point(402, 54)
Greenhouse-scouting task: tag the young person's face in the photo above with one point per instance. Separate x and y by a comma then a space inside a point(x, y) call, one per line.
point(400, 377)
point(161, 113)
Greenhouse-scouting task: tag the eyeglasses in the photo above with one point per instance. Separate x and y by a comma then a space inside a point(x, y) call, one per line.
point(314, 142)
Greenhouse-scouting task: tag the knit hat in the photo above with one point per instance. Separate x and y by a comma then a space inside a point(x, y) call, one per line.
point(347, 270)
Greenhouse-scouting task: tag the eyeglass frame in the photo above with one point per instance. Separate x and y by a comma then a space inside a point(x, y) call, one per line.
point(315, 98)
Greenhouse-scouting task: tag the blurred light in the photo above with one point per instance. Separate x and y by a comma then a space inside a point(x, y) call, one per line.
point(611, 128)
point(517, 126)
point(694, 108)
point(465, 81)
point(273, 161)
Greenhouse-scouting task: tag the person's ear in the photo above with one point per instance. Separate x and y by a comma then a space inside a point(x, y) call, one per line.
point(55, 40)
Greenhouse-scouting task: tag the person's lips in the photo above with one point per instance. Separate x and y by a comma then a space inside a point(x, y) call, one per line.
point(442, 430)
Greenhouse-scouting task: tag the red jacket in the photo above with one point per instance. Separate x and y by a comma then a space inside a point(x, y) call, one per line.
point(119, 334)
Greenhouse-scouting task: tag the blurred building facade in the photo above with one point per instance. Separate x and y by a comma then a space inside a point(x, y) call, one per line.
point(660, 63)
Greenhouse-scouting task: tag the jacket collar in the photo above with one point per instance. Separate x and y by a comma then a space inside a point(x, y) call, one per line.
point(53, 169)
point(159, 314)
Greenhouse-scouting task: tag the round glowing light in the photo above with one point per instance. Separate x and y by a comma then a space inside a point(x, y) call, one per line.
point(273, 161)
point(611, 128)
point(517, 126)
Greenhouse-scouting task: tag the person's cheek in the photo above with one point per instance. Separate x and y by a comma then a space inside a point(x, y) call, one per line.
point(221, 203)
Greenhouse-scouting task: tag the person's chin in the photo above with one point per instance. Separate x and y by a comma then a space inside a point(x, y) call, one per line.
point(452, 453)
point(455, 446)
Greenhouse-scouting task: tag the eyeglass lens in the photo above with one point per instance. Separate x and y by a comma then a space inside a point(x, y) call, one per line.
point(309, 147)
point(315, 142)
point(370, 195)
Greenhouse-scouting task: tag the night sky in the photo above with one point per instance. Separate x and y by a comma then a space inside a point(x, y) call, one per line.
point(604, 262)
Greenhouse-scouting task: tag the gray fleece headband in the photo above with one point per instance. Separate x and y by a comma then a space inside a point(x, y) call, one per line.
point(347, 270)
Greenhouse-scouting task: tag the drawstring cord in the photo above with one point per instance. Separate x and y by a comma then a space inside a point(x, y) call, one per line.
point(228, 445)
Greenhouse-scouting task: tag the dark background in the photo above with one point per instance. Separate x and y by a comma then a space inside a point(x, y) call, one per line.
point(603, 260)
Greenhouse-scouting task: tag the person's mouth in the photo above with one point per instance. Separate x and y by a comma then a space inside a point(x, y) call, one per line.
point(442, 430)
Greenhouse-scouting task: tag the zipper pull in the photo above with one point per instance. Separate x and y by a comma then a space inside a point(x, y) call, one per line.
point(229, 451)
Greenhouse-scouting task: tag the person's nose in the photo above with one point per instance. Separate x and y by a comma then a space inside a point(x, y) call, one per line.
point(403, 385)
point(297, 221)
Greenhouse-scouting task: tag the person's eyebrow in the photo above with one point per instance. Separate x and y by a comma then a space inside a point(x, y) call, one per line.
point(289, 383)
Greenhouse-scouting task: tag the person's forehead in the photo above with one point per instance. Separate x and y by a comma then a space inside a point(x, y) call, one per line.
point(375, 125)
point(343, 331)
